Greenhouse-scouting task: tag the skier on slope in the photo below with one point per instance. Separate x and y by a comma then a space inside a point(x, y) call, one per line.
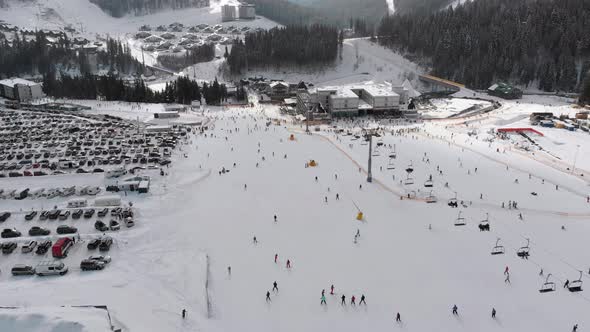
point(506, 270)
point(455, 310)
point(352, 300)
point(276, 258)
point(332, 290)
point(267, 296)
point(323, 300)
point(343, 298)
point(493, 313)
point(362, 301)
point(275, 287)
point(288, 263)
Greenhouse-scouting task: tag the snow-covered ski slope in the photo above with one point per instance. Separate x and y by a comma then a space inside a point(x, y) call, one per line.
point(398, 262)
point(89, 20)
point(361, 60)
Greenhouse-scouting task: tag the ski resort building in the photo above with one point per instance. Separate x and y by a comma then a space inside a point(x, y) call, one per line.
point(505, 91)
point(355, 100)
point(20, 89)
point(228, 13)
point(247, 12)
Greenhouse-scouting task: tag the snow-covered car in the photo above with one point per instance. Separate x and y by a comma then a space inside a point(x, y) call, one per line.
point(114, 225)
point(103, 258)
point(28, 247)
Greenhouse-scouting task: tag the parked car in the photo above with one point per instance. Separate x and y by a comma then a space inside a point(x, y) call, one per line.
point(77, 214)
point(31, 215)
point(4, 216)
point(51, 268)
point(88, 213)
point(102, 213)
point(54, 214)
point(105, 259)
point(129, 222)
point(10, 232)
point(65, 229)
point(22, 270)
point(43, 247)
point(63, 215)
point(44, 215)
point(28, 247)
point(61, 247)
point(105, 244)
point(114, 225)
point(38, 231)
point(91, 264)
point(93, 244)
point(116, 211)
point(101, 226)
point(8, 247)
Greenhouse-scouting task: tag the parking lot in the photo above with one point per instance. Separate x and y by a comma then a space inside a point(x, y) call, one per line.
point(58, 166)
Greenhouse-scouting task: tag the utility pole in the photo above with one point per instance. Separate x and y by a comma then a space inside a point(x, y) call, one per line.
point(369, 175)
point(575, 158)
point(307, 121)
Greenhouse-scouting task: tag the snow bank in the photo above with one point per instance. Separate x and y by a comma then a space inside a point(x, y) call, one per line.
point(58, 319)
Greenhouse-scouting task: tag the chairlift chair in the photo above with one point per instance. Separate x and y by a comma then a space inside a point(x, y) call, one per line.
point(460, 221)
point(576, 285)
point(409, 180)
point(390, 164)
point(428, 184)
point(498, 249)
point(486, 220)
point(410, 168)
point(548, 286)
point(524, 252)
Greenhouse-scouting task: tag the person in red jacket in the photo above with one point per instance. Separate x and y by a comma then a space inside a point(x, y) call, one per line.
point(352, 300)
point(276, 258)
point(288, 263)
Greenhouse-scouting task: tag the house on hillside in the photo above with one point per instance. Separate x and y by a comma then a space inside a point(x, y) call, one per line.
point(20, 89)
point(505, 91)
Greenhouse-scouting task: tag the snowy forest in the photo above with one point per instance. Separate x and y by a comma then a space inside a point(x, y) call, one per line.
point(119, 8)
point(300, 45)
point(111, 87)
point(544, 44)
point(37, 56)
point(202, 53)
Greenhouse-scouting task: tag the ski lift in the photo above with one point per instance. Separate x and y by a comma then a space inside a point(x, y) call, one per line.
point(524, 252)
point(576, 285)
point(376, 153)
point(380, 143)
point(498, 249)
point(453, 201)
point(486, 220)
point(355, 138)
point(409, 180)
point(410, 168)
point(431, 198)
point(460, 221)
point(548, 286)
point(390, 164)
point(428, 184)
point(364, 142)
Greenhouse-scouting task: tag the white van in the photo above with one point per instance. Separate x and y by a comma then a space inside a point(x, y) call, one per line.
point(115, 173)
point(38, 193)
point(51, 268)
point(77, 203)
point(110, 200)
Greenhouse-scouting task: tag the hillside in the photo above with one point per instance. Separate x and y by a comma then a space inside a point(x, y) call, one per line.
point(536, 44)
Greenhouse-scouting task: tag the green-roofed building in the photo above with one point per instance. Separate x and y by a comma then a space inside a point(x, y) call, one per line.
point(504, 90)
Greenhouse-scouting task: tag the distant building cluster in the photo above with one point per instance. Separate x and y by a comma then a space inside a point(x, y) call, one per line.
point(358, 100)
point(244, 11)
point(20, 89)
point(505, 90)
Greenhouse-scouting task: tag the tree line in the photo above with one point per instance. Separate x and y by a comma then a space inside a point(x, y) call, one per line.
point(202, 53)
point(119, 8)
point(32, 56)
point(544, 44)
point(300, 45)
point(110, 87)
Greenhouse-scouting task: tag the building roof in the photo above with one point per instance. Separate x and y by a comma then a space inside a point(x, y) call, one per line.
point(273, 84)
point(344, 93)
point(377, 91)
point(11, 82)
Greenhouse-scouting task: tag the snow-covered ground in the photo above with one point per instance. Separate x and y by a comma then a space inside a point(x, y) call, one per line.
point(361, 61)
point(409, 258)
point(88, 19)
point(67, 319)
